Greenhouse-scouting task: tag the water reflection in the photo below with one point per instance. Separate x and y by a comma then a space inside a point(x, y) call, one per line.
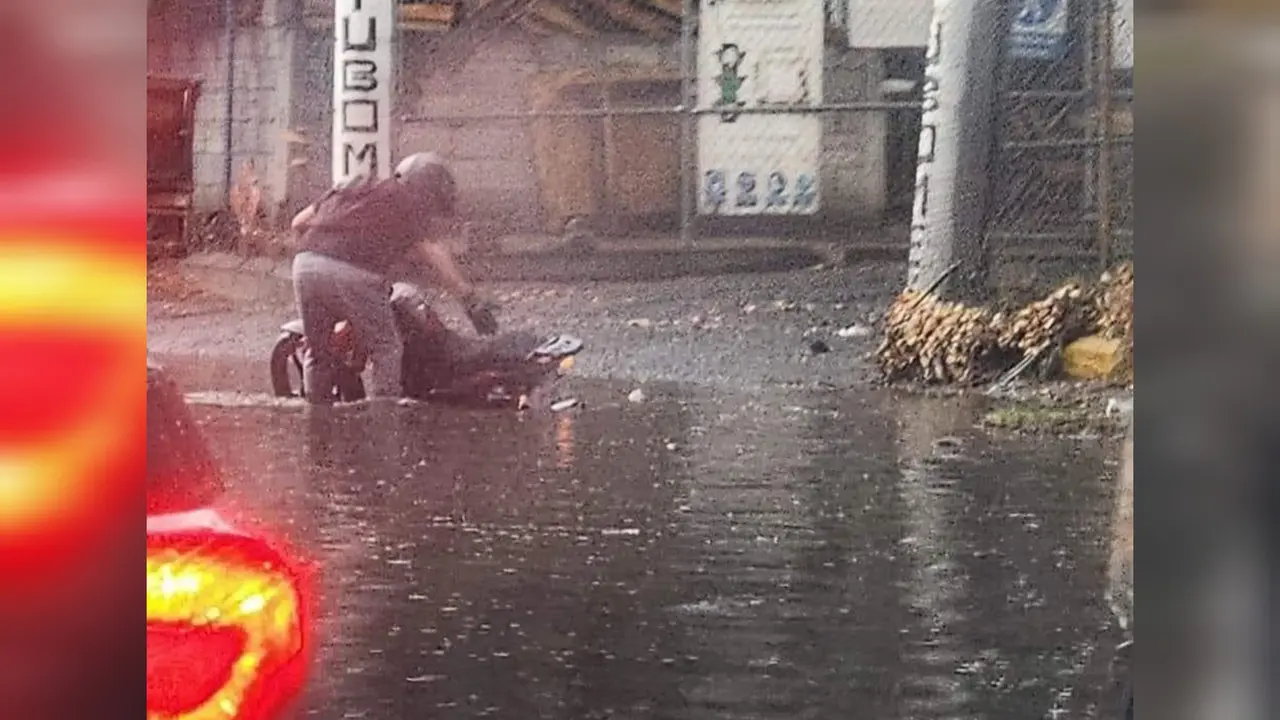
point(742, 523)
point(792, 556)
point(565, 440)
point(936, 590)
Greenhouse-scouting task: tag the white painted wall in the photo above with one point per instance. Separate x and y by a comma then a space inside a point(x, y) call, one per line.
point(889, 23)
point(492, 159)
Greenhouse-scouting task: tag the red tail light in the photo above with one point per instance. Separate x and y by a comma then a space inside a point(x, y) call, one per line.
point(225, 630)
point(188, 665)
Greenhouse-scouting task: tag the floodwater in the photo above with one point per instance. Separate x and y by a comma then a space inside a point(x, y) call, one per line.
point(696, 556)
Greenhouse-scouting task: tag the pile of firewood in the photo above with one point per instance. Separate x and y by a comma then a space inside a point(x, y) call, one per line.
point(1115, 312)
point(928, 340)
point(1062, 316)
point(1115, 303)
point(932, 340)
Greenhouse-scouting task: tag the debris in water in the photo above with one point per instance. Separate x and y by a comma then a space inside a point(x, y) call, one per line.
point(856, 330)
point(948, 443)
point(636, 396)
point(1119, 406)
point(565, 404)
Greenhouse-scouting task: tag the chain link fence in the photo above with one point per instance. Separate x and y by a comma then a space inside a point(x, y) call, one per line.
point(635, 119)
point(625, 119)
point(1062, 167)
point(701, 119)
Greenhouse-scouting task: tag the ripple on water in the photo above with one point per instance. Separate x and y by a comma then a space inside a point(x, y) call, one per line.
point(701, 559)
point(233, 399)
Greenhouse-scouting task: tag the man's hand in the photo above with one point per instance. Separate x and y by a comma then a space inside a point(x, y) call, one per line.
point(481, 313)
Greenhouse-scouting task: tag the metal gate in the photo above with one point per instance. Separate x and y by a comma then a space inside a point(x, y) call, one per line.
point(1061, 171)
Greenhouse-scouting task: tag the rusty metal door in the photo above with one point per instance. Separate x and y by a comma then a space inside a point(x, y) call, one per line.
point(171, 106)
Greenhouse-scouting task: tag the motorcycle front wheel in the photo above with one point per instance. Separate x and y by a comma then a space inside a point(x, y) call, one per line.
point(286, 372)
point(286, 366)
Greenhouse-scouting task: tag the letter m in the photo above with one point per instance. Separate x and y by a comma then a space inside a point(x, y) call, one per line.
point(362, 161)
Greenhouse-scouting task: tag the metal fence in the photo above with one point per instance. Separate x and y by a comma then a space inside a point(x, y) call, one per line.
point(613, 127)
point(671, 117)
point(1062, 167)
point(627, 144)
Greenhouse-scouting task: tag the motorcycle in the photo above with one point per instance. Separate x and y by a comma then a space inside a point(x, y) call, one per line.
point(515, 369)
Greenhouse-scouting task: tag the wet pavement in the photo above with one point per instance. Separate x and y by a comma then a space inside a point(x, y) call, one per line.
point(739, 332)
point(706, 554)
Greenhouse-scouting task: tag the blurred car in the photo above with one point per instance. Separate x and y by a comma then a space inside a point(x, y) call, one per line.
point(227, 628)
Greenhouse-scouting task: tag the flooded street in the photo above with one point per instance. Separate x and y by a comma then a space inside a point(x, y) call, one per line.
point(705, 554)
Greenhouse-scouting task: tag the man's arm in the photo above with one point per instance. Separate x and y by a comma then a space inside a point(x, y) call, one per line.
point(303, 217)
point(479, 311)
point(439, 257)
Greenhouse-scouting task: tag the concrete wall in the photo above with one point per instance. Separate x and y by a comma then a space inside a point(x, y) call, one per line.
point(191, 43)
point(853, 143)
point(493, 159)
point(283, 83)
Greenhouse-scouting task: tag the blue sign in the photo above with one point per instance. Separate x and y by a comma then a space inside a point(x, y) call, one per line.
point(1039, 30)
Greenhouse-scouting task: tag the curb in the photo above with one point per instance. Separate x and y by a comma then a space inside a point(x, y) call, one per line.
point(636, 264)
point(566, 265)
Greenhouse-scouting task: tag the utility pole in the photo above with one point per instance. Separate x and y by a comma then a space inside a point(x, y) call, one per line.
point(952, 183)
point(688, 120)
point(363, 77)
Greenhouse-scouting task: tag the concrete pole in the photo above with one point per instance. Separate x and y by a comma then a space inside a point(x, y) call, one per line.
point(948, 220)
point(363, 77)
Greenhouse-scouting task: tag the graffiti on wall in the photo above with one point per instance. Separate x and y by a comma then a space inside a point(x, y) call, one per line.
point(729, 57)
point(762, 61)
point(776, 196)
